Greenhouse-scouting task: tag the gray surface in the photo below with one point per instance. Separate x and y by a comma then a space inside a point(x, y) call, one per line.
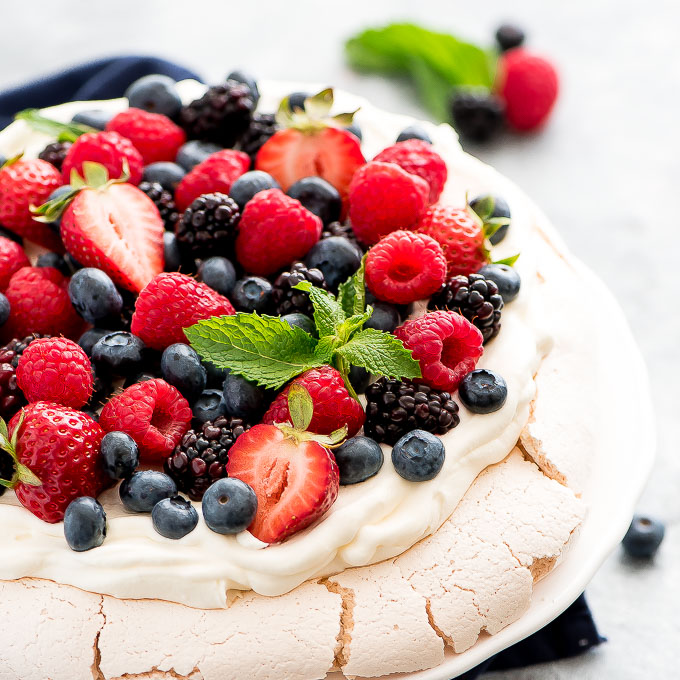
point(606, 170)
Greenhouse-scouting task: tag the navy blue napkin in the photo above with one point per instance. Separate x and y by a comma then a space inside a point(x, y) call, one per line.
point(573, 632)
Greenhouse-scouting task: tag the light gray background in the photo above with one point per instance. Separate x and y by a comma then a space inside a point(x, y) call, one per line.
point(606, 170)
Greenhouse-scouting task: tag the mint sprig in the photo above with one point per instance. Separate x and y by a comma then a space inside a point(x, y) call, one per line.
point(64, 132)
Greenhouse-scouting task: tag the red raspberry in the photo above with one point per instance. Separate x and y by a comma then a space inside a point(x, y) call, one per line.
point(153, 413)
point(172, 302)
point(384, 198)
point(404, 267)
point(107, 148)
point(274, 230)
point(56, 370)
point(61, 447)
point(39, 303)
point(215, 174)
point(155, 136)
point(446, 344)
point(12, 258)
point(333, 406)
point(528, 85)
point(418, 158)
point(459, 234)
point(23, 184)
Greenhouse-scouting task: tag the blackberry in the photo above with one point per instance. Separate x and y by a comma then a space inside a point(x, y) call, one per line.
point(55, 153)
point(287, 299)
point(477, 116)
point(164, 201)
point(261, 128)
point(222, 115)
point(340, 229)
point(202, 455)
point(395, 407)
point(476, 298)
point(208, 227)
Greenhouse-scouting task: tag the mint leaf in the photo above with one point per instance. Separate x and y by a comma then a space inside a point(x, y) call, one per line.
point(381, 354)
point(65, 132)
point(510, 261)
point(325, 349)
point(264, 349)
point(352, 293)
point(328, 314)
point(353, 324)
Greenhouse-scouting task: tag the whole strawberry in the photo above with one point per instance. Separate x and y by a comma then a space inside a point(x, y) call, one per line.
point(12, 258)
point(172, 302)
point(26, 183)
point(56, 458)
point(155, 136)
point(274, 231)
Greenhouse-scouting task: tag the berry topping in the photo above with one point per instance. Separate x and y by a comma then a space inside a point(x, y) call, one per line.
point(163, 200)
point(218, 273)
point(509, 36)
point(120, 455)
point(181, 367)
point(385, 317)
point(414, 131)
point(12, 258)
point(144, 489)
point(168, 175)
point(94, 118)
point(477, 115)
point(483, 391)
point(301, 321)
point(488, 207)
point(418, 456)
point(194, 152)
point(262, 127)
point(644, 536)
point(242, 398)
point(84, 524)
point(155, 93)
point(249, 184)
point(55, 153)
point(229, 506)
point(94, 295)
point(174, 517)
point(208, 406)
point(506, 278)
point(336, 257)
point(287, 299)
point(11, 397)
point(358, 459)
point(318, 196)
point(119, 354)
point(252, 294)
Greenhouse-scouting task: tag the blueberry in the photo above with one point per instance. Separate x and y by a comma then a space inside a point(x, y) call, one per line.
point(142, 376)
point(483, 391)
point(500, 209)
point(59, 192)
point(218, 273)
point(355, 130)
point(119, 353)
point(144, 489)
point(250, 183)
point(241, 76)
point(4, 309)
point(318, 196)
point(418, 456)
point(181, 367)
point(120, 455)
point(84, 524)
point(251, 294)
point(229, 506)
point(385, 317)
point(336, 257)
point(215, 374)
point(296, 100)
point(167, 174)
point(174, 517)
point(509, 36)
point(95, 118)
point(208, 406)
point(3, 160)
point(301, 321)
point(414, 132)
point(94, 295)
point(194, 152)
point(242, 399)
point(54, 260)
point(506, 278)
point(643, 537)
point(155, 93)
point(6, 233)
point(358, 459)
point(171, 252)
point(360, 378)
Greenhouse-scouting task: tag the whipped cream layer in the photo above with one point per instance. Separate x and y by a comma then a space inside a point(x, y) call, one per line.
point(371, 521)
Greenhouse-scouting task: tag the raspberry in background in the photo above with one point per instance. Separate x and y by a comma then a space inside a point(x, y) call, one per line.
point(12, 258)
point(153, 413)
point(107, 148)
point(446, 344)
point(172, 302)
point(155, 136)
point(419, 158)
point(384, 198)
point(274, 231)
point(56, 370)
point(404, 267)
point(528, 85)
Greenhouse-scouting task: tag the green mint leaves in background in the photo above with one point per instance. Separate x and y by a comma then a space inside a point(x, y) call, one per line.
point(64, 132)
point(436, 63)
point(270, 352)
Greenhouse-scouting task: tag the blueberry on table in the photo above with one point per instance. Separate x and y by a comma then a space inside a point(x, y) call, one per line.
point(644, 536)
point(84, 524)
point(194, 152)
point(385, 317)
point(505, 277)
point(243, 399)
point(120, 455)
point(418, 456)
point(229, 506)
point(249, 184)
point(155, 93)
point(483, 391)
point(319, 197)
point(499, 208)
point(174, 517)
point(182, 368)
point(252, 294)
point(218, 273)
point(167, 174)
point(119, 353)
point(336, 257)
point(144, 489)
point(358, 459)
point(301, 321)
point(4, 309)
point(94, 295)
point(171, 253)
point(95, 118)
point(414, 132)
point(208, 406)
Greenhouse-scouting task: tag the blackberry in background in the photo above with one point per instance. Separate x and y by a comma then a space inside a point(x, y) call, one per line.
point(164, 201)
point(477, 115)
point(287, 299)
point(261, 128)
point(55, 152)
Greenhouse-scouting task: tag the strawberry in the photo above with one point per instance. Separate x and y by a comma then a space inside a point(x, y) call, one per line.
point(12, 258)
point(313, 144)
point(23, 184)
point(293, 473)
point(56, 458)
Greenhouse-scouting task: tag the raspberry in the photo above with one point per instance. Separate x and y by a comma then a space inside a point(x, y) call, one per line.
point(528, 85)
point(39, 303)
point(404, 267)
point(153, 413)
point(107, 148)
point(215, 174)
point(155, 136)
point(333, 405)
point(384, 198)
point(459, 234)
point(172, 302)
point(12, 258)
point(56, 370)
point(418, 158)
point(274, 231)
point(446, 344)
